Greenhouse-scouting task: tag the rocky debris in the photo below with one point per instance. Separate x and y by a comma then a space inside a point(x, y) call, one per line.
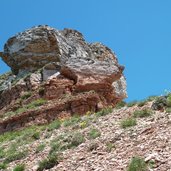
point(150, 139)
point(59, 65)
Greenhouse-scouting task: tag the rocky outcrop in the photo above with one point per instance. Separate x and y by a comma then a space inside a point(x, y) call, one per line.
point(59, 64)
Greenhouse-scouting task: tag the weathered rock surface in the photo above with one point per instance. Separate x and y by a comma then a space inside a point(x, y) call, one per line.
point(63, 66)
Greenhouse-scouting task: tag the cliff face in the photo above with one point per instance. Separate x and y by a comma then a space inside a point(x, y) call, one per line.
point(71, 75)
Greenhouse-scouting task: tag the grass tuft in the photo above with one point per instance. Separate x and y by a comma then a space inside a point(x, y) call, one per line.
point(94, 133)
point(137, 164)
point(142, 113)
point(128, 122)
point(20, 167)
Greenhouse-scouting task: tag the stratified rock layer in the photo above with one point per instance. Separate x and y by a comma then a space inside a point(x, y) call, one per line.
point(63, 65)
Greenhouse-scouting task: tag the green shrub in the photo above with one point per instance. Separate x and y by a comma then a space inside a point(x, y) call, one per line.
point(104, 111)
point(54, 125)
point(133, 103)
point(36, 135)
point(48, 163)
point(55, 146)
point(26, 95)
point(109, 146)
point(20, 167)
point(168, 110)
point(2, 153)
point(137, 164)
point(93, 146)
point(3, 166)
point(151, 98)
point(40, 148)
point(77, 139)
point(168, 101)
point(17, 155)
point(142, 103)
point(128, 122)
point(94, 133)
point(36, 103)
point(71, 121)
point(41, 91)
point(142, 113)
point(159, 103)
point(84, 124)
point(120, 105)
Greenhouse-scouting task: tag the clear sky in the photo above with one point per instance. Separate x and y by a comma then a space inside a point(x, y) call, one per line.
point(138, 31)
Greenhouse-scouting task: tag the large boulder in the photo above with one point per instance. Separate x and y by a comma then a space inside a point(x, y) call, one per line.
point(64, 67)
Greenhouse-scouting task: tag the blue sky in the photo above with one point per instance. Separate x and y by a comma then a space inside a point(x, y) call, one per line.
point(139, 32)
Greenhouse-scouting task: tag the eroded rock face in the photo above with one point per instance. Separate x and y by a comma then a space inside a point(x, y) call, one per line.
point(64, 66)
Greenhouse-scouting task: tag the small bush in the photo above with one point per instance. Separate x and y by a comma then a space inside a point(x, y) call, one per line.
point(109, 146)
point(55, 147)
point(104, 111)
point(54, 125)
point(40, 148)
point(3, 166)
point(83, 124)
point(142, 103)
point(71, 121)
point(159, 103)
point(168, 110)
point(168, 101)
point(77, 139)
point(36, 103)
point(48, 163)
point(16, 156)
point(26, 95)
point(2, 153)
point(94, 133)
point(41, 91)
point(20, 167)
point(133, 103)
point(142, 113)
point(36, 135)
point(151, 98)
point(137, 164)
point(93, 146)
point(128, 122)
point(120, 105)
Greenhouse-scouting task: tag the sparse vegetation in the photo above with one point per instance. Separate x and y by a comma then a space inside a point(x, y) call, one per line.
point(137, 164)
point(128, 122)
point(133, 103)
point(104, 111)
point(26, 95)
point(54, 125)
point(71, 121)
point(48, 163)
point(109, 146)
point(93, 146)
point(159, 103)
point(168, 100)
point(3, 166)
point(94, 133)
point(142, 113)
point(36, 135)
point(120, 105)
point(40, 148)
point(36, 103)
point(16, 155)
point(41, 91)
point(168, 110)
point(20, 167)
point(142, 103)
